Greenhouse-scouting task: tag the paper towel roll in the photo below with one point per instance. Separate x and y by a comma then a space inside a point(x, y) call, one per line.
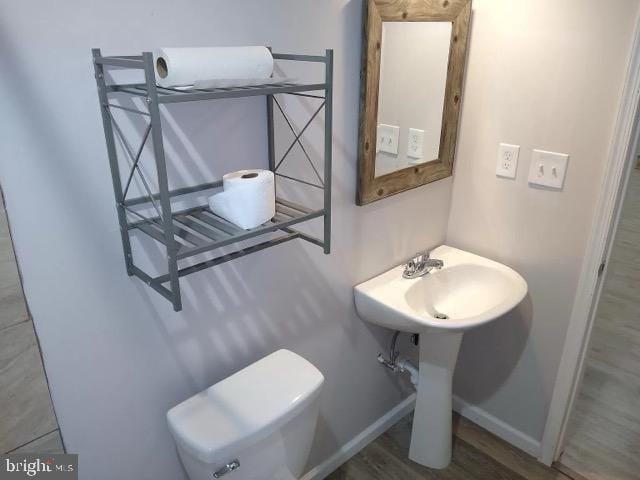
point(186, 66)
point(248, 199)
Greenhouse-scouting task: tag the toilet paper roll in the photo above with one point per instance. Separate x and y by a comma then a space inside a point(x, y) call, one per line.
point(185, 66)
point(248, 199)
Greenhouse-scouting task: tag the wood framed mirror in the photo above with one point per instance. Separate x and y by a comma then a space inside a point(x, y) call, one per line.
point(413, 62)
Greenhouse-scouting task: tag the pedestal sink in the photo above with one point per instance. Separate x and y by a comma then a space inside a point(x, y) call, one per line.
point(467, 292)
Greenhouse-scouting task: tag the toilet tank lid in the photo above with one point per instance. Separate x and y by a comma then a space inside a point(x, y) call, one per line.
point(246, 407)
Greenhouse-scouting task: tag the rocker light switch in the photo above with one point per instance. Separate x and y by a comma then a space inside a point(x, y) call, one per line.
point(388, 138)
point(548, 169)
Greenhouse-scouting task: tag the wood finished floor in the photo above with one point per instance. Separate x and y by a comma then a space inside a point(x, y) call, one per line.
point(603, 440)
point(477, 455)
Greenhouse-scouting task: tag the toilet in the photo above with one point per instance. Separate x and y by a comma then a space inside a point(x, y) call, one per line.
point(257, 424)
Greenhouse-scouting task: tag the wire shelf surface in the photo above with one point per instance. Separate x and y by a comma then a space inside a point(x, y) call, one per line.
point(199, 230)
point(174, 95)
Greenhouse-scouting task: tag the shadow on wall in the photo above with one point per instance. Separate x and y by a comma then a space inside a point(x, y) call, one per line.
point(505, 339)
point(290, 295)
point(235, 310)
point(231, 323)
point(226, 312)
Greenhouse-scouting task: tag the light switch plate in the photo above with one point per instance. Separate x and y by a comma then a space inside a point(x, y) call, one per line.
point(507, 165)
point(548, 169)
point(388, 138)
point(415, 143)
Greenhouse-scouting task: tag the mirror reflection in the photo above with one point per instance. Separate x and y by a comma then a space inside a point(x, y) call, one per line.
point(413, 75)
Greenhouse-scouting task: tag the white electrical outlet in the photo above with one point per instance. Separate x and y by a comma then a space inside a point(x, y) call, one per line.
point(415, 143)
point(507, 160)
point(388, 138)
point(548, 169)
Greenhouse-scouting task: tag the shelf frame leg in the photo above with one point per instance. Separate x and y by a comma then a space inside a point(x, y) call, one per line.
point(271, 145)
point(163, 181)
point(113, 160)
point(328, 152)
point(271, 134)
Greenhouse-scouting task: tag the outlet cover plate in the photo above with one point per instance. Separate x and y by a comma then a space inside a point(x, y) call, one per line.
point(388, 138)
point(507, 165)
point(548, 169)
point(415, 143)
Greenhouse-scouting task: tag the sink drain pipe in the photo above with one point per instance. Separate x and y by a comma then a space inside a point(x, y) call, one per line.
point(406, 366)
point(397, 365)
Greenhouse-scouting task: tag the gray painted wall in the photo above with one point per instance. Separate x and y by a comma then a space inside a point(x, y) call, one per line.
point(117, 356)
point(541, 74)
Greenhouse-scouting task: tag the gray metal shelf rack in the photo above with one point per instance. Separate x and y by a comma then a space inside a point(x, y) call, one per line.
point(197, 230)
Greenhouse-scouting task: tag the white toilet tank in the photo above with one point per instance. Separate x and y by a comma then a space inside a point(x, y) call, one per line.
point(257, 424)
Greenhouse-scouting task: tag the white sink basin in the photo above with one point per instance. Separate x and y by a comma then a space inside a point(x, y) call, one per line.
point(468, 291)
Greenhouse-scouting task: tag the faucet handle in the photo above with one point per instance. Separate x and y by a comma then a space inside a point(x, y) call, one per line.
point(421, 264)
point(415, 263)
point(410, 267)
point(421, 257)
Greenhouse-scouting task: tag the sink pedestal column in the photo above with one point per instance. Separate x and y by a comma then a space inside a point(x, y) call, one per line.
point(431, 434)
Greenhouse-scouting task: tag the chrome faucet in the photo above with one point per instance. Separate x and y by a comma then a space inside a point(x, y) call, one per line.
point(420, 265)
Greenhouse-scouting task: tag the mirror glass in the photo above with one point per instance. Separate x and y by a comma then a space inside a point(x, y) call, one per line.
point(413, 75)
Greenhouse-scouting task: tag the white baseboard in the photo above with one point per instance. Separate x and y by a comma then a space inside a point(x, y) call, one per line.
point(496, 426)
point(477, 415)
point(361, 440)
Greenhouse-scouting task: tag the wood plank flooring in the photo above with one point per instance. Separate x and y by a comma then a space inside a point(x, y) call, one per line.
point(603, 440)
point(477, 455)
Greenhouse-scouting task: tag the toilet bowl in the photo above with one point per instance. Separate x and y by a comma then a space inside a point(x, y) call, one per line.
point(257, 424)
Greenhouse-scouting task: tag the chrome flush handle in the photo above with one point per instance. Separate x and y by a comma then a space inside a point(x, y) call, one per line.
point(232, 466)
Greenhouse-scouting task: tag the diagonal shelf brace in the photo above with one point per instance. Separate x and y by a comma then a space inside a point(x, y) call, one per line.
point(132, 158)
point(297, 138)
point(299, 180)
point(135, 167)
point(144, 219)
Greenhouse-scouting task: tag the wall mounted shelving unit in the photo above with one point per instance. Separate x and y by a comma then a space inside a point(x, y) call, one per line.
point(186, 233)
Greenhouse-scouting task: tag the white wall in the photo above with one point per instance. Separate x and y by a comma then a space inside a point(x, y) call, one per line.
point(413, 77)
point(541, 74)
point(116, 354)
